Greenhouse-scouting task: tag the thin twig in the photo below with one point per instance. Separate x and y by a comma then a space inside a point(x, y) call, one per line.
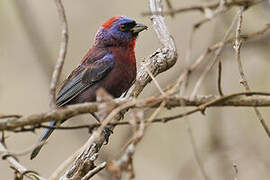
point(235, 169)
point(163, 58)
point(200, 108)
point(211, 14)
point(83, 159)
point(184, 75)
point(125, 162)
point(192, 139)
point(171, 101)
point(154, 79)
point(219, 78)
point(174, 101)
point(96, 138)
point(13, 161)
point(244, 82)
point(219, 44)
point(170, 7)
point(73, 110)
point(195, 151)
point(5, 116)
point(94, 171)
point(62, 52)
point(215, 59)
point(159, 62)
point(203, 7)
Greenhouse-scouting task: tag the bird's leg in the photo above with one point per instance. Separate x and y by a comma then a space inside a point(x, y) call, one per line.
point(107, 130)
point(95, 116)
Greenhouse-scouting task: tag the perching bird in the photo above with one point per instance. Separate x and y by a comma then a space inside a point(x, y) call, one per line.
point(110, 64)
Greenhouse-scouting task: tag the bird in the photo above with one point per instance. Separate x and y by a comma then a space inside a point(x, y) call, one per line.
point(109, 64)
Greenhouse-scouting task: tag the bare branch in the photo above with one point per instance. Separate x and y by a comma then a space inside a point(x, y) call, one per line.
point(84, 158)
point(219, 78)
point(125, 162)
point(195, 151)
point(215, 59)
point(159, 62)
point(170, 7)
point(200, 108)
point(13, 161)
point(82, 162)
point(235, 168)
point(70, 111)
point(237, 47)
point(210, 6)
point(56, 114)
point(154, 79)
point(162, 59)
point(62, 52)
point(211, 49)
point(94, 171)
point(4, 116)
point(236, 99)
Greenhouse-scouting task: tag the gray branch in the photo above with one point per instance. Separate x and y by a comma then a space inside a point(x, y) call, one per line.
point(163, 58)
point(252, 99)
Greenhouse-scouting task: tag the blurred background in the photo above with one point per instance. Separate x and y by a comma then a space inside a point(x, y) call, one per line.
point(29, 44)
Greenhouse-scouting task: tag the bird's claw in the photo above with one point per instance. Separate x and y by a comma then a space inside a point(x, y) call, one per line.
point(107, 132)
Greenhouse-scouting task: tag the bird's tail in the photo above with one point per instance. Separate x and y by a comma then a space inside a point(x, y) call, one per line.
point(45, 135)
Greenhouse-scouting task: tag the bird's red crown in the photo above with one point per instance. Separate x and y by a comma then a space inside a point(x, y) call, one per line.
point(110, 22)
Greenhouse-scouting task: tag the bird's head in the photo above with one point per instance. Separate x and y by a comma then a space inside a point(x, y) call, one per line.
point(118, 31)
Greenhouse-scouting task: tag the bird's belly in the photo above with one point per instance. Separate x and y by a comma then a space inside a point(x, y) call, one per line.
point(118, 82)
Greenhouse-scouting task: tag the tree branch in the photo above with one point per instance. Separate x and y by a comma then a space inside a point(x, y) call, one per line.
point(245, 99)
point(244, 82)
point(62, 52)
point(13, 161)
point(162, 59)
point(204, 7)
point(157, 63)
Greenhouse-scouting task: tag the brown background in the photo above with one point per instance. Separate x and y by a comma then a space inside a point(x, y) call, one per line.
point(29, 43)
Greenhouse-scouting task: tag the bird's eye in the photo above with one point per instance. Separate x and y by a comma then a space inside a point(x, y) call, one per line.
point(123, 27)
point(127, 26)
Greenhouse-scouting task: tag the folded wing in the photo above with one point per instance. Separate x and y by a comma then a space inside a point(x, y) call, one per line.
point(91, 74)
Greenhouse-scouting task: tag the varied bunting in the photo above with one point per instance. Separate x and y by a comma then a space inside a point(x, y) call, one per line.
point(110, 64)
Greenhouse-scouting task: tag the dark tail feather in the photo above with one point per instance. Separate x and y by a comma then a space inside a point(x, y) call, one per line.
point(45, 135)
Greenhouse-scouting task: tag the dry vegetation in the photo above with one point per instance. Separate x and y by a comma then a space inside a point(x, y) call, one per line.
point(144, 112)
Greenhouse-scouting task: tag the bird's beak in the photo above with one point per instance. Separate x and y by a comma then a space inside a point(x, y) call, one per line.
point(138, 28)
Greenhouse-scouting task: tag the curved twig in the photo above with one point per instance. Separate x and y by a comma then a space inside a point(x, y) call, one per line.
point(62, 52)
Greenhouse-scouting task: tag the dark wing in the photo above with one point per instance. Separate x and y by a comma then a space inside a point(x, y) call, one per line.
point(83, 79)
point(97, 70)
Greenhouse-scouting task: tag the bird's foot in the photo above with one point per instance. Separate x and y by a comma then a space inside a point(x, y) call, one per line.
point(107, 132)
